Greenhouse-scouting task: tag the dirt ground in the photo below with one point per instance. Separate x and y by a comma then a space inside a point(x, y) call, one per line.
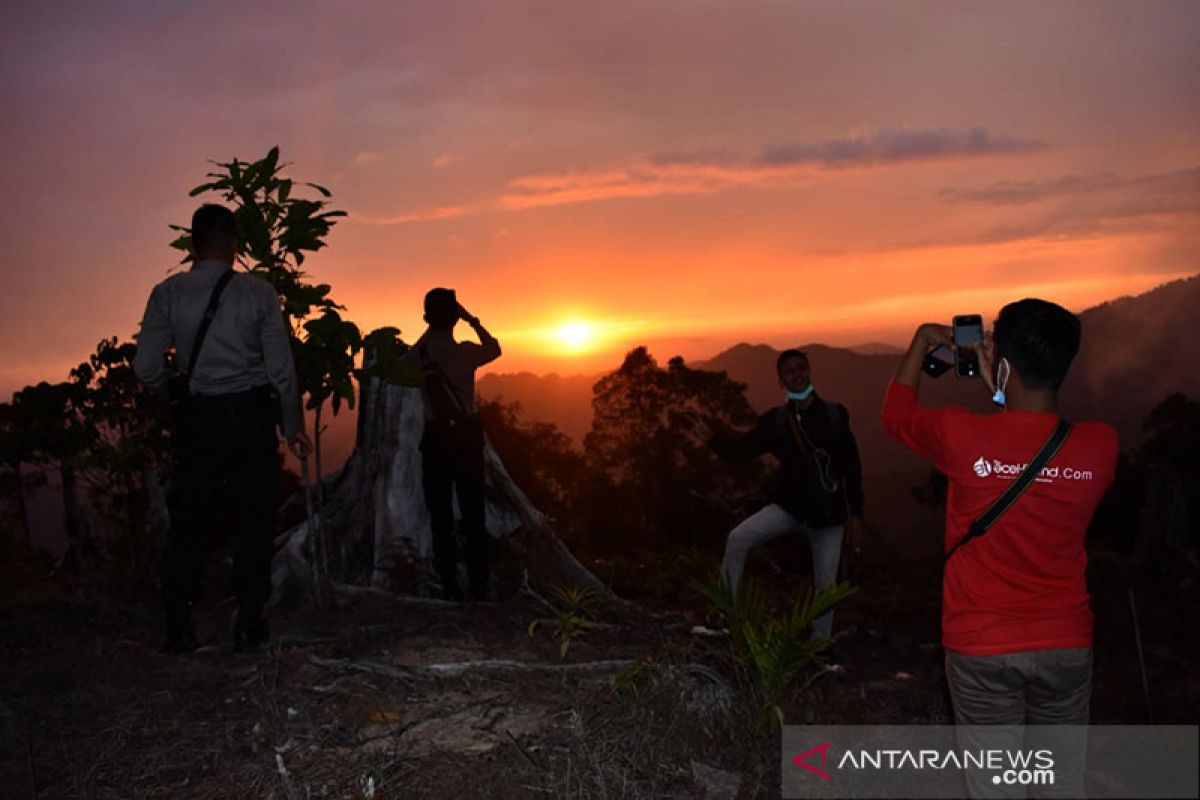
point(385, 698)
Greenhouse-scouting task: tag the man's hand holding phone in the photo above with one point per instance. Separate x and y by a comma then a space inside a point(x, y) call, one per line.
point(926, 339)
point(932, 335)
point(985, 352)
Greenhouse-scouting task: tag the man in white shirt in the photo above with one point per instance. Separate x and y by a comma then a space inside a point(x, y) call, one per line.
point(242, 385)
point(452, 442)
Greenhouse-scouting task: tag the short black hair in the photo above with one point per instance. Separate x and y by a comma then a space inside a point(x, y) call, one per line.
point(791, 352)
point(214, 229)
point(1039, 339)
point(441, 307)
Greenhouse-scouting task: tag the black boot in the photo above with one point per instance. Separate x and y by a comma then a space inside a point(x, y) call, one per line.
point(479, 586)
point(450, 589)
point(181, 637)
point(250, 631)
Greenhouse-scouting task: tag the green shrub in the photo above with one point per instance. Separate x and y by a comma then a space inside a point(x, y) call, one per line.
point(773, 651)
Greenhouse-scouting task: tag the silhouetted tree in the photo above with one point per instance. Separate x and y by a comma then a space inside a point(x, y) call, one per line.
point(1171, 434)
point(539, 458)
point(60, 436)
point(16, 452)
point(1170, 450)
point(649, 442)
point(131, 444)
point(1154, 480)
point(325, 366)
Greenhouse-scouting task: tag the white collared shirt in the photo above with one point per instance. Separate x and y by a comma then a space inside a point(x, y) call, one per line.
point(247, 344)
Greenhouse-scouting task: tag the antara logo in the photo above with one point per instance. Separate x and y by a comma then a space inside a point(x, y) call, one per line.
point(823, 749)
point(983, 467)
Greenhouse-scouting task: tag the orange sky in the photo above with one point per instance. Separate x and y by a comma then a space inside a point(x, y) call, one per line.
point(680, 174)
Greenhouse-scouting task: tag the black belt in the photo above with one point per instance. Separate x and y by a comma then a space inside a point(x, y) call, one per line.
point(263, 392)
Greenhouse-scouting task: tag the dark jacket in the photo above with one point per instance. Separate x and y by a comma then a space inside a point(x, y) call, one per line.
point(800, 490)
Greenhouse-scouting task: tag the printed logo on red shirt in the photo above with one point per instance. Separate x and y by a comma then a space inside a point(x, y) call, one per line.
point(986, 468)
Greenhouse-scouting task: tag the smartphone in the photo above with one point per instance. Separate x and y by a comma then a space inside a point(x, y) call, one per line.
point(938, 361)
point(968, 331)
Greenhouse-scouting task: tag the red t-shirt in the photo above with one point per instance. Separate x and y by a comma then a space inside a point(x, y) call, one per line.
point(1021, 585)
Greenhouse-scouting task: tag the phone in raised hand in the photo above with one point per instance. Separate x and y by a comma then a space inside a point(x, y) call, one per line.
point(968, 332)
point(938, 361)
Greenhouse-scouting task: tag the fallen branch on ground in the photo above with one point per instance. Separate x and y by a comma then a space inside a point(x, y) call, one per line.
point(430, 602)
point(456, 668)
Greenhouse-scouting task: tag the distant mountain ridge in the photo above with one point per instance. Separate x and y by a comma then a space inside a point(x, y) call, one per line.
point(566, 400)
point(1136, 351)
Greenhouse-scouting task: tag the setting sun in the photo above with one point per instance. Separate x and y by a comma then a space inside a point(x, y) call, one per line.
point(575, 336)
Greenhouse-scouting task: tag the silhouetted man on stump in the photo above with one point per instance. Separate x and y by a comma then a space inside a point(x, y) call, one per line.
point(452, 442)
point(236, 383)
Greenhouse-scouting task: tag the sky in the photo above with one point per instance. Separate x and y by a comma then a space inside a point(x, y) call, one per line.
point(592, 176)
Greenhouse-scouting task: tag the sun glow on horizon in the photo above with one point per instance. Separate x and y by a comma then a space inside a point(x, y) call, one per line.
point(574, 337)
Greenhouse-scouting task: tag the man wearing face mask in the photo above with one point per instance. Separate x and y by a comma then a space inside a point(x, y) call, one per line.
point(1016, 617)
point(820, 482)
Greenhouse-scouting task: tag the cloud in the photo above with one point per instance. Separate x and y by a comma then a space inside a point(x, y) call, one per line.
point(714, 170)
point(891, 145)
point(711, 170)
point(1182, 184)
point(423, 215)
point(643, 180)
point(1087, 205)
point(364, 157)
point(445, 160)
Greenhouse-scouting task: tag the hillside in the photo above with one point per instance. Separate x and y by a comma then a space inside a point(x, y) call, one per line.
point(1136, 351)
point(564, 400)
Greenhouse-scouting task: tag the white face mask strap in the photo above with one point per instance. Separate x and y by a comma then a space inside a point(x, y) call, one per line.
point(1003, 370)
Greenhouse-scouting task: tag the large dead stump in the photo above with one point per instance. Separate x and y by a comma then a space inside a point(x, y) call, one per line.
point(375, 517)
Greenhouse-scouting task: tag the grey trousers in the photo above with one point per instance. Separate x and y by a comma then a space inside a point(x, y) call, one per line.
point(771, 522)
point(995, 697)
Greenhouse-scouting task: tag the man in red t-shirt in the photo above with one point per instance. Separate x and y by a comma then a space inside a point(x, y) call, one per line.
point(1016, 619)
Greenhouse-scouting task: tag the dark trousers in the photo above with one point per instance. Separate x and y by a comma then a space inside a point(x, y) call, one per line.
point(452, 463)
point(223, 437)
point(1033, 699)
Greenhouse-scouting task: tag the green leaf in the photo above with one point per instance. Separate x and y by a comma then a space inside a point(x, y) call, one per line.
point(268, 164)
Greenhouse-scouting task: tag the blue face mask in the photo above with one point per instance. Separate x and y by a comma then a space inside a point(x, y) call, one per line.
point(800, 395)
point(1003, 370)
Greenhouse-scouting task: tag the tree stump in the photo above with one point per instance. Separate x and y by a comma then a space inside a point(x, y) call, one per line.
point(378, 527)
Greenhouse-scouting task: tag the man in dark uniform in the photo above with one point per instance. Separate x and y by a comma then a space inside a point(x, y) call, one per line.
point(452, 442)
point(820, 481)
point(242, 384)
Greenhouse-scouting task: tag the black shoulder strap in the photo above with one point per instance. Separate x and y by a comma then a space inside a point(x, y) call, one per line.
point(837, 418)
point(432, 367)
point(1005, 501)
point(209, 313)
